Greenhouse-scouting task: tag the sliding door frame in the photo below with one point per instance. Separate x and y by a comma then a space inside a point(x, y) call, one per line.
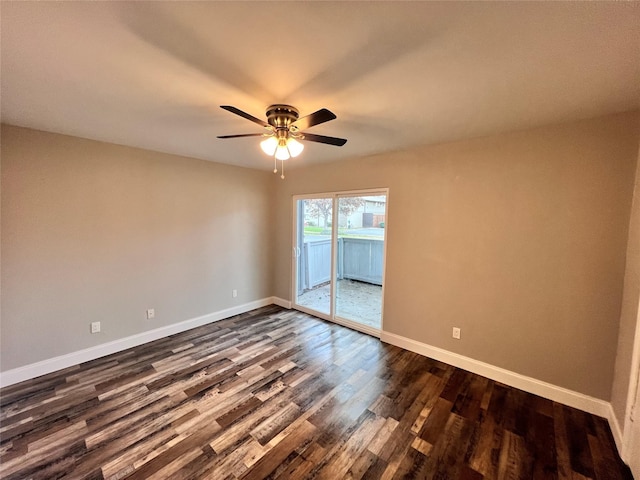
point(332, 317)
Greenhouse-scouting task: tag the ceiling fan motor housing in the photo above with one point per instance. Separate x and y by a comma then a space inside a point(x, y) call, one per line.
point(282, 116)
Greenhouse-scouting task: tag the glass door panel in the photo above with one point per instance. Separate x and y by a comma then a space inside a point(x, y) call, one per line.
point(359, 269)
point(313, 254)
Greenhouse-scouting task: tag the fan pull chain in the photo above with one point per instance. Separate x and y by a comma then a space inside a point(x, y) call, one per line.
point(282, 165)
point(275, 165)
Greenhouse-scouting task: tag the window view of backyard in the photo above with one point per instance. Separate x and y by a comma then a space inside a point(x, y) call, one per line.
point(359, 259)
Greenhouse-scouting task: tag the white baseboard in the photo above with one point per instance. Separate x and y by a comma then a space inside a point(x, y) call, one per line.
point(43, 367)
point(281, 302)
point(617, 432)
point(562, 395)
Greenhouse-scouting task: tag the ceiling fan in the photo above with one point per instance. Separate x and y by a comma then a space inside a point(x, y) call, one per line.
point(284, 130)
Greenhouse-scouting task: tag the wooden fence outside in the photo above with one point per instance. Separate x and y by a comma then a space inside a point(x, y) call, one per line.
point(358, 259)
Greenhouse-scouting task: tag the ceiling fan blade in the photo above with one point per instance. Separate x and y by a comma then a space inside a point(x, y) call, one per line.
point(237, 111)
point(241, 135)
point(315, 118)
point(338, 142)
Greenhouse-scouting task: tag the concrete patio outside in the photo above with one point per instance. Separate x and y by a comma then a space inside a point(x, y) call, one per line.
point(357, 301)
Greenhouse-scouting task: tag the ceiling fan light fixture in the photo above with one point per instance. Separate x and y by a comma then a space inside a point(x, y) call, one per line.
point(269, 145)
point(282, 152)
point(295, 147)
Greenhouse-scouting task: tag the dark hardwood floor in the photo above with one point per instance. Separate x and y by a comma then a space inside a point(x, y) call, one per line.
point(279, 394)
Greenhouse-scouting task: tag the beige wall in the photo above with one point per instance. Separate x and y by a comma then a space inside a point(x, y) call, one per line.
point(629, 313)
point(519, 239)
point(100, 232)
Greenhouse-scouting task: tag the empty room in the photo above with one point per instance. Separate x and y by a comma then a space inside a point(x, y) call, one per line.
point(330, 240)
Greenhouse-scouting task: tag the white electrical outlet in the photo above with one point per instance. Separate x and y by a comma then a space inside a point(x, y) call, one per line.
point(151, 313)
point(234, 293)
point(456, 333)
point(95, 327)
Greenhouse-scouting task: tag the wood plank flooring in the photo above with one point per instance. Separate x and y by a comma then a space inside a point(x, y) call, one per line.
point(276, 393)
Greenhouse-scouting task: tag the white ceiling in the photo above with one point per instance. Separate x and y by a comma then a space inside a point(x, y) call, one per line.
point(397, 74)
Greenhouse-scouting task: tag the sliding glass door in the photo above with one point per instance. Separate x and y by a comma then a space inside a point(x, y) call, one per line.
point(339, 254)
